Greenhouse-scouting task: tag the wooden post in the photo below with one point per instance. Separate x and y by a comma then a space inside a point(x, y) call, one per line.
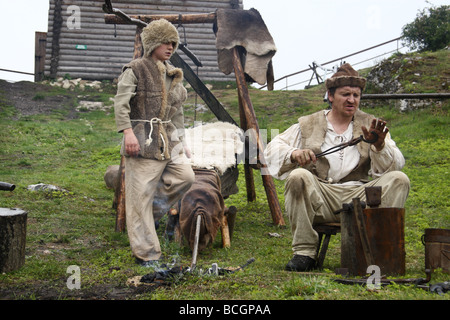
point(211, 101)
point(252, 123)
point(39, 55)
point(13, 233)
point(138, 47)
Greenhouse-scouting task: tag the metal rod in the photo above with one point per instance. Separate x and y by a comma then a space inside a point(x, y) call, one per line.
point(7, 70)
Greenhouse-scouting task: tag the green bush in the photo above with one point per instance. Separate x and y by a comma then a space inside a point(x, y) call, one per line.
point(430, 31)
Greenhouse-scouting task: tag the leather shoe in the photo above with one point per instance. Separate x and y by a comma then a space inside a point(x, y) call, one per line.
point(147, 264)
point(301, 263)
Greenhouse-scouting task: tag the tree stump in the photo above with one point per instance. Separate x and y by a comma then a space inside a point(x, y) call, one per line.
point(13, 230)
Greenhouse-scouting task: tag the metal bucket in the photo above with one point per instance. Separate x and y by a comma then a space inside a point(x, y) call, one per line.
point(385, 230)
point(437, 249)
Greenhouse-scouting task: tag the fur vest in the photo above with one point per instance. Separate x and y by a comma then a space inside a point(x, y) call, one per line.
point(313, 130)
point(156, 114)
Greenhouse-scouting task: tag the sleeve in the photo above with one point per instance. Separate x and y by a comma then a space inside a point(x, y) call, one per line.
point(278, 152)
point(390, 158)
point(126, 89)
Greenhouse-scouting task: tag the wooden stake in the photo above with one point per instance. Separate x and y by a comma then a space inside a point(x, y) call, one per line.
point(120, 198)
point(224, 229)
point(120, 191)
point(252, 123)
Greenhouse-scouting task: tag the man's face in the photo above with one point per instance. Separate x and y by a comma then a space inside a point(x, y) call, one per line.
point(163, 52)
point(345, 100)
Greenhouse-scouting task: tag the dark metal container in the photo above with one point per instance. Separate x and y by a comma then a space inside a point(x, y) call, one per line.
point(384, 230)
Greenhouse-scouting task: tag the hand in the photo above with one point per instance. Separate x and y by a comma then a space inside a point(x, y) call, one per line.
point(132, 146)
point(379, 127)
point(303, 157)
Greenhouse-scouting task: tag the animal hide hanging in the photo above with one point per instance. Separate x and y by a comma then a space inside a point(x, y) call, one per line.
point(247, 29)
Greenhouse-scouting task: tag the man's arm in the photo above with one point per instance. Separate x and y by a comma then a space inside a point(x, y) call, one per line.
point(278, 152)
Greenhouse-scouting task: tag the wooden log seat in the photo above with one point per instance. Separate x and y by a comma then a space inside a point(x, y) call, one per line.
point(325, 231)
point(13, 233)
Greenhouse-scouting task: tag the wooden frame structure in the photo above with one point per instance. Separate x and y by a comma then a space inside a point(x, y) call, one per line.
point(246, 110)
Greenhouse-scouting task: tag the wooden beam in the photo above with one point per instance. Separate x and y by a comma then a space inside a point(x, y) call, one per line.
point(204, 93)
point(199, 87)
point(252, 123)
point(248, 171)
point(174, 18)
point(406, 96)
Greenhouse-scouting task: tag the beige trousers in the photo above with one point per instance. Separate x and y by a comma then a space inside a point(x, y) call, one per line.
point(309, 201)
point(151, 188)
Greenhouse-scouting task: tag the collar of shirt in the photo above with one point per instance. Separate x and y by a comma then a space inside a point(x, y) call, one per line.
point(344, 161)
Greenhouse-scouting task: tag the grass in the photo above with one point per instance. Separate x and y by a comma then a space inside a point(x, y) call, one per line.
point(77, 227)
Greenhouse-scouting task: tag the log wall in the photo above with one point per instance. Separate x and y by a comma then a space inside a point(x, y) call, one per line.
point(97, 51)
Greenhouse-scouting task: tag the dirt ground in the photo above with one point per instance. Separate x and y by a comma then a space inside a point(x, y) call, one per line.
point(25, 96)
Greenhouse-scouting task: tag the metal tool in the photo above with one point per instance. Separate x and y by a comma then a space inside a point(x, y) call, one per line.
point(348, 144)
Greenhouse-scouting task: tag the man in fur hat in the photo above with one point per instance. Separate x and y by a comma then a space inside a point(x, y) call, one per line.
point(318, 186)
point(149, 111)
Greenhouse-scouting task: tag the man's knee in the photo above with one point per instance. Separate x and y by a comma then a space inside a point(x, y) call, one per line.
point(189, 177)
point(299, 179)
point(399, 179)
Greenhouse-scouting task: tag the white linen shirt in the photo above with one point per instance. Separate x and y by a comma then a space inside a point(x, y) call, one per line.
point(278, 154)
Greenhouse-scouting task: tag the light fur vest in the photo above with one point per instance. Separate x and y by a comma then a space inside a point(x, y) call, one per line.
point(154, 101)
point(313, 130)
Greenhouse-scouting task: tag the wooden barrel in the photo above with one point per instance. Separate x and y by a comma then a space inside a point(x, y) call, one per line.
point(13, 224)
point(385, 231)
point(437, 249)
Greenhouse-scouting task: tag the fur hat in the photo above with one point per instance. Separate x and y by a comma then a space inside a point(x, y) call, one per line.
point(159, 32)
point(345, 76)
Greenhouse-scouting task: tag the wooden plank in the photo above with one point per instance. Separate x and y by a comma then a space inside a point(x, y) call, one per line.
point(200, 88)
point(361, 227)
point(349, 260)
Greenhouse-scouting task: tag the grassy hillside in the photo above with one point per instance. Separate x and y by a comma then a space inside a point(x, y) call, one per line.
point(72, 149)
